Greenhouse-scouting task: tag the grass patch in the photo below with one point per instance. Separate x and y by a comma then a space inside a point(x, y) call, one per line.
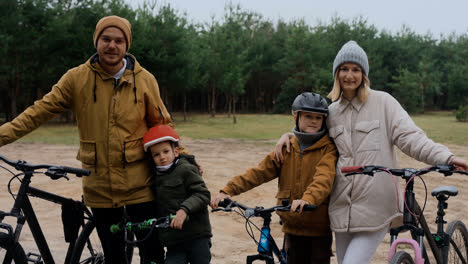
point(53, 134)
point(249, 126)
point(439, 126)
point(443, 127)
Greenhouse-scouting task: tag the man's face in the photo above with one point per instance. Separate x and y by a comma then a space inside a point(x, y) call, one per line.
point(163, 153)
point(111, 47)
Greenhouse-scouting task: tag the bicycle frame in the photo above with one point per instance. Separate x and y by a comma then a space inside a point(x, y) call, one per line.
point(267, 246)
point(23, 205)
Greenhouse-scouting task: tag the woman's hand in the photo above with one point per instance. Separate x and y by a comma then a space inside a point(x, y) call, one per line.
point(218, 198)
point(283, 141)
point(179, 219)
point(460, 163)
point(298, 204)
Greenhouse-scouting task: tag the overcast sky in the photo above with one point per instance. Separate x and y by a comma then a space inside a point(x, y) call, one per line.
point(422, 16)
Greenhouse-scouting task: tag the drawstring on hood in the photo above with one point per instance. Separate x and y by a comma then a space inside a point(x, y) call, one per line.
point(134, 87)
point(94, 90)
point(130, 64)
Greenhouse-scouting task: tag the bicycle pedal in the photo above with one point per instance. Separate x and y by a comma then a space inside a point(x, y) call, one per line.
point(34, 258)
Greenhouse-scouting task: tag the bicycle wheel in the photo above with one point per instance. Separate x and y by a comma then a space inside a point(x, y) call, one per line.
point(19, 257)
point(401, 257)
point(458, 248)
point(88, 247)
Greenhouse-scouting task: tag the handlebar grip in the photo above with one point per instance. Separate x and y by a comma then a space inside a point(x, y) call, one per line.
point(225, 203)
point(352, 169)
point(76, 171)
point(309, 207)
point(115, 228)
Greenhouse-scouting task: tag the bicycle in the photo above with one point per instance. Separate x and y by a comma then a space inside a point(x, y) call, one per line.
point(449, 246)
point(75, 215)
point(267, 249)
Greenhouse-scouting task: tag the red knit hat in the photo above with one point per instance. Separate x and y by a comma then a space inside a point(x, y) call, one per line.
point(158, 134)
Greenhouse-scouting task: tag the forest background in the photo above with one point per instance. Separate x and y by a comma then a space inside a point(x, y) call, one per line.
point(239, 63)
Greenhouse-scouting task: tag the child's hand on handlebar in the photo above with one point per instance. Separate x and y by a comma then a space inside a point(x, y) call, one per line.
point(298, 204)
point(179, 219)
point(218, 198)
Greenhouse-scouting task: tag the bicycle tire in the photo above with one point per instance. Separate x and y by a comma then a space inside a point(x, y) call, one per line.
point(459, 238)
point(88, 247)
point(401, 257)
point(19, 256)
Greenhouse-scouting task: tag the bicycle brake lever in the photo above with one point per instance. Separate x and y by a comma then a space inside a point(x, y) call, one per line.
point(55, 173)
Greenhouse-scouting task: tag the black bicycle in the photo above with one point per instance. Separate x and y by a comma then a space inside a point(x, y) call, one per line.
point(75, 215)
point(266, 245)
point(449, 246)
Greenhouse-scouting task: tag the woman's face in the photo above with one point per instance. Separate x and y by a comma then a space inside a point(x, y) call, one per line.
point(350, 77)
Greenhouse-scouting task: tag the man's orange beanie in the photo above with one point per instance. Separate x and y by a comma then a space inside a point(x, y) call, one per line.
point(114, 21)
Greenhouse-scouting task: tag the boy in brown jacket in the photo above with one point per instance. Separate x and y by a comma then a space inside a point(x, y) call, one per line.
point(305, 177)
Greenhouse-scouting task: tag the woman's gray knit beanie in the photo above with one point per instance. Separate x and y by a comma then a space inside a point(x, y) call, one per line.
point(351, 52)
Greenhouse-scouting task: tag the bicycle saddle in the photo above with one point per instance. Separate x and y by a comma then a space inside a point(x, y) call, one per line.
point(447, 190)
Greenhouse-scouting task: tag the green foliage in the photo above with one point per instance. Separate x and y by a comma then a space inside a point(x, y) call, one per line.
point(240, 61)
point(462, 114)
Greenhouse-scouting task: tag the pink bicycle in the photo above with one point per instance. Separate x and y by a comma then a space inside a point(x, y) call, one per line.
point(449, 246)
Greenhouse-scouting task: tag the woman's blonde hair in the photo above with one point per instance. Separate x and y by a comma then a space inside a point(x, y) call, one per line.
point(362, 92)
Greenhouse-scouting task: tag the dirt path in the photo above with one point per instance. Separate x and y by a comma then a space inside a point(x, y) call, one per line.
point(221, 160)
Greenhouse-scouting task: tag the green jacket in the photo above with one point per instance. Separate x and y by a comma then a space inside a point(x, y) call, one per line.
point(112, 119)
point(307, 175)
point(183, 188)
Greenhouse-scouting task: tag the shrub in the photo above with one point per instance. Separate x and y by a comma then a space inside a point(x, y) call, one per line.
point(462, 114)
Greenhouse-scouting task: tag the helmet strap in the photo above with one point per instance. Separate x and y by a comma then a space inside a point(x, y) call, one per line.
point(297, 121)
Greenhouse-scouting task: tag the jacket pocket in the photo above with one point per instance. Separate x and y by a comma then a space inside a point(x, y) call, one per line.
point(87, 152)
point(283, 194)
point(133, 150)
point(337, 133)
point(369, 135)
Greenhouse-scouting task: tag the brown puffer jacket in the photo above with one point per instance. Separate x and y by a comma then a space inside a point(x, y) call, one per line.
point(307, 176)
point(112, 119)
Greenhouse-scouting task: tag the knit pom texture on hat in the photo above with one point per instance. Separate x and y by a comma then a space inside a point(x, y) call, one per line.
point(351, 52)
point(114, 21)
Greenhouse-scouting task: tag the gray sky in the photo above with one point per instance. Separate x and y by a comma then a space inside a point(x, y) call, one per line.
point(422, 16)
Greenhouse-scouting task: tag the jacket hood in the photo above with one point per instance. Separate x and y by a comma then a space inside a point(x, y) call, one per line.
point(132, 64)
point(323, 141)
point(132, 69)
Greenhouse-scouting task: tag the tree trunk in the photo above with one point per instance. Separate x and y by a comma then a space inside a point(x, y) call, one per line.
point(185, 107)
point(213, 98)
point(234, 119)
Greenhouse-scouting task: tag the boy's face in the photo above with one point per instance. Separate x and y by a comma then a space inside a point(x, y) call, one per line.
point(310, 122)
point(163, 153)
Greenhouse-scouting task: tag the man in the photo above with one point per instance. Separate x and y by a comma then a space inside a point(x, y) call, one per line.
point(115, 101)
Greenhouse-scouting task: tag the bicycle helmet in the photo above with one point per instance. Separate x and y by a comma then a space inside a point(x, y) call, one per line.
point(310, 102)
point(158, 134)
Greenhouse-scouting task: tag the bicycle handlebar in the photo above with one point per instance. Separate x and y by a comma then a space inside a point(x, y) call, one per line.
point(259, 211)
point(54, 172)
point(163, 222)
point(445, 169)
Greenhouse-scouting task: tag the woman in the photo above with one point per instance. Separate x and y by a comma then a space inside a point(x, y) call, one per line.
point(366, 125)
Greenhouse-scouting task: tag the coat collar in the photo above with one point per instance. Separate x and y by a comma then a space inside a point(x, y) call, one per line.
point(343, 103)
point(325, 140)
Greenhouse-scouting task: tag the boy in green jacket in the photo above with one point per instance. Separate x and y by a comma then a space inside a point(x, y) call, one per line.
point(179, 190)
point(305, 177)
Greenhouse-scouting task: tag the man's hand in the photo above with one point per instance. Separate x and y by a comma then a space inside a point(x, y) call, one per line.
point(179, 219)
point(218, 198)
point(298, 204)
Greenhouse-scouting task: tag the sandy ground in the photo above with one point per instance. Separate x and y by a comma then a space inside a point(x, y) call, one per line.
point(221, 160)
